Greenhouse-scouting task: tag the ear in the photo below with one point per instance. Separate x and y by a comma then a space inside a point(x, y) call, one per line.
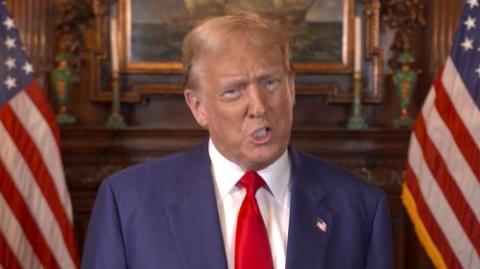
point(291, 87)
point(196, 104)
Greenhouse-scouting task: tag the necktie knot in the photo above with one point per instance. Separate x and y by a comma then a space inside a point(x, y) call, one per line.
point(251, 181)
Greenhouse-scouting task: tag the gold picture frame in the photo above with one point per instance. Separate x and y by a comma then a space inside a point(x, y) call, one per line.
point(144, 28)
point(332, 79)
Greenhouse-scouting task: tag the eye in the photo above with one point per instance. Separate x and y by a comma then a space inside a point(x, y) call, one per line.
point(230, 93)
point(271, 83)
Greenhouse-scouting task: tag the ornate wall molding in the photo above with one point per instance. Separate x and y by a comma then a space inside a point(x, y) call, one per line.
point(405, 17)
point(378, 156)
point(72, 18)
point(85, 177)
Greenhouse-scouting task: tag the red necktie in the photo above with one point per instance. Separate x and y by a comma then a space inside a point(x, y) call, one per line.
point(252, 248)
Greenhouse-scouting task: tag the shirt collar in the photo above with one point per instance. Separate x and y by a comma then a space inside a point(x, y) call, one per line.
point(226, 173)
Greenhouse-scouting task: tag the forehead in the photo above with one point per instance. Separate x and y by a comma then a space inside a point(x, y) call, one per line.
point(237, 56)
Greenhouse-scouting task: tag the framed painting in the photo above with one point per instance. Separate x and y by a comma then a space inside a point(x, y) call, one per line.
point(146, 35)
point(152, 31)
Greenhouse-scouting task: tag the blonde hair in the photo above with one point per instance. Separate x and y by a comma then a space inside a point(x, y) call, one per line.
point(210, 36)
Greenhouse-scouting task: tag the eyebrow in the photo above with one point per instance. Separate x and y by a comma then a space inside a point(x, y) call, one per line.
point(262, 74)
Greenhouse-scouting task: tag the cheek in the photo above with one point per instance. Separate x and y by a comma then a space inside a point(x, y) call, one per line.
point(224, 118)
point(283, 115)
point(283, 103)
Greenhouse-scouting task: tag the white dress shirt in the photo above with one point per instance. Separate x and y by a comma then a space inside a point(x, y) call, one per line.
point(273, 201)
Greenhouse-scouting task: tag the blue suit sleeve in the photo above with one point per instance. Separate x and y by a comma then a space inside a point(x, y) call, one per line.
point(380, 252)
point(104, 245)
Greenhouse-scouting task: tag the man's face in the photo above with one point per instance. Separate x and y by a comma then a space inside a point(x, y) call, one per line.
point(245, 101)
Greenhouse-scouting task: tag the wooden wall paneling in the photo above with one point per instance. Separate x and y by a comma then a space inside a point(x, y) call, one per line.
point(432, 44)
point(444, 22)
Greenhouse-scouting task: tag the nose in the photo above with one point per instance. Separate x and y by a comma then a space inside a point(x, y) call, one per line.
point(257, 106)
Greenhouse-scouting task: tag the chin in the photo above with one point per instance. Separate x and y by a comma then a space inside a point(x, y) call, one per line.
point(259, 162)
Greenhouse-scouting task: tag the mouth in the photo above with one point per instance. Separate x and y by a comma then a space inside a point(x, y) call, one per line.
point(261, 135)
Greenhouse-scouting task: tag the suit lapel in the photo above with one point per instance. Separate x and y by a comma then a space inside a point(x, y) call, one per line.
point(194, 219)
point(307, 235)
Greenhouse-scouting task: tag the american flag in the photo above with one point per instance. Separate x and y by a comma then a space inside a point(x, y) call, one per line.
point(36, 229)
point(441, 191)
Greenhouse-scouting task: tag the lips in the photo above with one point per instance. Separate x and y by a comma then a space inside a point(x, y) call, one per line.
point(261, 135)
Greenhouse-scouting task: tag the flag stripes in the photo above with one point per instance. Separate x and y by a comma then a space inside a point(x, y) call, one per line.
point(28, 119)
point(456, 112)
point(468, 111)
point(454, 208)
point(438, 205)
point(445, 181)
point(447, 150)
point(37, 165)
point(419, 212)
point(11, 235)
point(441, 191)
point(29, 226)
point(44, 109)
point(36, 219)
point(36, 192)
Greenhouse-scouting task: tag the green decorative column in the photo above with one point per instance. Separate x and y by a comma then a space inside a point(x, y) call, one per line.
point(405, 80)
point(356, 120)
point(115, 120)
point(61, 79)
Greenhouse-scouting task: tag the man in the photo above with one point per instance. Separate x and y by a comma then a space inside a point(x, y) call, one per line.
point(243, 199)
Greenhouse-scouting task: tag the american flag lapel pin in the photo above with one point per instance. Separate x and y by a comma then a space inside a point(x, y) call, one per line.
point(321, 225)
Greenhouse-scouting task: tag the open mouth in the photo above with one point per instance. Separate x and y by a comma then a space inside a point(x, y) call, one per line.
point(261, 135)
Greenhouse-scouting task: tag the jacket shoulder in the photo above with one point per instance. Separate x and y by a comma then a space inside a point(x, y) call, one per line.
point(333, 178)
point(149, 170)
point(154, 178)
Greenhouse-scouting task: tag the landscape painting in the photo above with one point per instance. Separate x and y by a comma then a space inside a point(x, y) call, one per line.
point(157, 27)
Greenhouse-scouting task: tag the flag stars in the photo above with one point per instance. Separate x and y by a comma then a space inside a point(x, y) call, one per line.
point(10, 63)
point(10, 83)
point(28, 68)
point(478, 71)
point(472, 3)
point(10, 43)
point(8, 22)
point(467, 44)
point(470, 23)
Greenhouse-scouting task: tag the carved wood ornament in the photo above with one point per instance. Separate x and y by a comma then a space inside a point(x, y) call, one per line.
point(71, 17)
point(405, 17)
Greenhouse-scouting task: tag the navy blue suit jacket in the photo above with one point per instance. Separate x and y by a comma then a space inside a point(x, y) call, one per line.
point(163, 214)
